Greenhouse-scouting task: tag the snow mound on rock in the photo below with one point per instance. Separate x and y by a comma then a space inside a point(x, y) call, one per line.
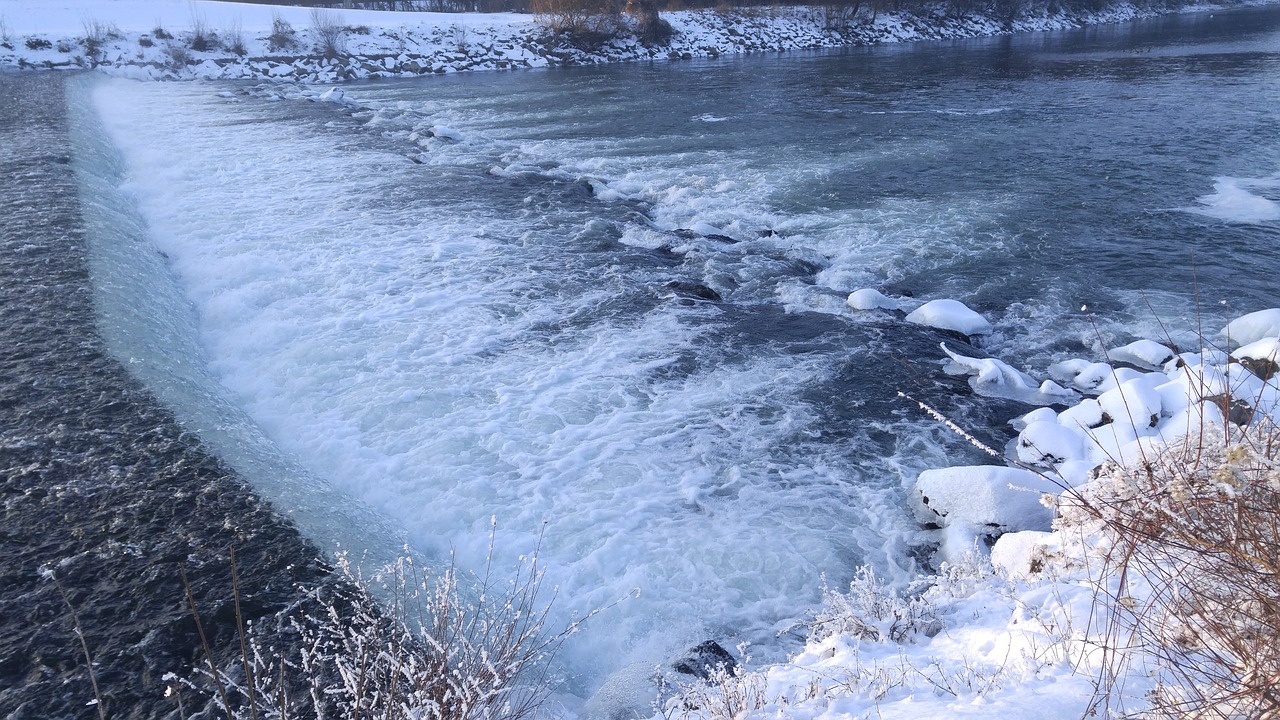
point(950, 315)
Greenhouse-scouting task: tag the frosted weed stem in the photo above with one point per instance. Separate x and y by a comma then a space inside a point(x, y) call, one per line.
point(84, 646)
point(953, 427)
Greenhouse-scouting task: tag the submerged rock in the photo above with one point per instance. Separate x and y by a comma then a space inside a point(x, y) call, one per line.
point(693, 290)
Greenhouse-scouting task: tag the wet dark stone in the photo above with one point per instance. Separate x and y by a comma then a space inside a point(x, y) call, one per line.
point(99, 485)
point(693, 290)
point(703, 659)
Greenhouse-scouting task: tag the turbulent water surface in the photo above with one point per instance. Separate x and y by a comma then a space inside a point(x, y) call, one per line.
point(605, 306)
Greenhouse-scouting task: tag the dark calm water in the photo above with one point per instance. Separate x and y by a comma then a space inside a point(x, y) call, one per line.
point(607, 304)
point(100, 487)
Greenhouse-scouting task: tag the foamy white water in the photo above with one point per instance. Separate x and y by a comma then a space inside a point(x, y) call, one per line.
point(1242, 200)
point(452, 299)
point(445, 361)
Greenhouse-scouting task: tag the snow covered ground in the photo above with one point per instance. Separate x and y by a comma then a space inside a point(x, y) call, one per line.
point(186, 39)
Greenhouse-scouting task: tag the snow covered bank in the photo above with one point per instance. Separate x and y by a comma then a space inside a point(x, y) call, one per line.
point(1149, 589)
point(177, 39)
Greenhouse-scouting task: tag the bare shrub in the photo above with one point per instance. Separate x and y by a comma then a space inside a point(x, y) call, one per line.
point(178, 56)
point(461, 38)
point(838, 15)
point(202, 38)
point(283, 36)
point(871, 610)
point(160, 33)
point(233, 38)
point(96, 34)
point(584, 24)
point(1196, 536)
point(330, 32)
point(429, 653)
point(650, 28)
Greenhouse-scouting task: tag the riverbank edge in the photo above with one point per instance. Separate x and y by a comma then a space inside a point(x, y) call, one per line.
point(314, 55)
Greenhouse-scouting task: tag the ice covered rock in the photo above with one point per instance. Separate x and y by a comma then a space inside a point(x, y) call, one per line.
point(1253, 327)
point(869, 299)
point(994, 378)
point(1147, 354)
point(950, 315)
point(333, 95)
point(444, 132)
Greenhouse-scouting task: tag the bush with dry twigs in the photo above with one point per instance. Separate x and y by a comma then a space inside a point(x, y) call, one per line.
point(437, 649)
point(329, 31)
point(1194, 533)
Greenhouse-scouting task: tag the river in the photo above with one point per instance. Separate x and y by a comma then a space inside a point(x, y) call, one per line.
point(603, 307)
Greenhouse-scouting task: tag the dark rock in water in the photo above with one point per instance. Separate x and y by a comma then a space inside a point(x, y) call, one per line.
point(687, 234)
point(703, 659)
point(895, 291)
point(694, 290)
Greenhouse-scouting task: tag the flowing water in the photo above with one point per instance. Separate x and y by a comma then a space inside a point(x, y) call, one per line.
point(605, 306)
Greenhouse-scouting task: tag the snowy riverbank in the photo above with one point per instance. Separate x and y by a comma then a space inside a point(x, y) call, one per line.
point(179, 40)
point(1079, 608)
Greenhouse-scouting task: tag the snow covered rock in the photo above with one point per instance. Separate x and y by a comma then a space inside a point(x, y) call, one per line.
point(950, 315)
point(870, 299)
point(1261, 357)
point(1084, 415)
point(1048, 444)
point(1147, 354)
point(1136, 401)
point(1080, 374)
point(1253, 327)
point(1020, 555)
point(989, 496)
